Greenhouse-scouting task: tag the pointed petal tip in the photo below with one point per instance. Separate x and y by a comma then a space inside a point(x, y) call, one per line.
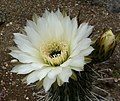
point(47, 82)
point(13, 71)
point(28, 83)
point(16, 33)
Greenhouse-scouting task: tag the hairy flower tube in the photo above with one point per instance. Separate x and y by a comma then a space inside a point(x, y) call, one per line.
point(52, 47)
point(104, 46)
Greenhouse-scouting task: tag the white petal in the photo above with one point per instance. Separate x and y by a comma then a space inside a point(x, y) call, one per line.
point(46, 14)
point(77, 63)
point(38, 64)
point(47, 82)
point(65, 74)
point(25, 68)
point(32, 77)
point(59, 81)
point(54, 72)
point(74, 27)
point(31, 24)
point(42, 28)
point(82, 45)
point(37, 75)
point(89, 31)
point(54, 26)
point(23, 57)
point(43, 72)
point(77, 68)
point(67, 25)
point(59, 14)
point(66, 63)
point(33, 36)
point(86, 52)
point(85, 43)
point(83, 31)
point(24, 44)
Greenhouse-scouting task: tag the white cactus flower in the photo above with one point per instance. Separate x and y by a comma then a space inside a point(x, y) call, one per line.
point(53, 46)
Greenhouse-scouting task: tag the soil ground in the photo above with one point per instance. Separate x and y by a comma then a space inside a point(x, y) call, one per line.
point(13, 15)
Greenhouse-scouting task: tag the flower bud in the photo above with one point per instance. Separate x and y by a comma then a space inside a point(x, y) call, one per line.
point(107, 40)
point(104, 47)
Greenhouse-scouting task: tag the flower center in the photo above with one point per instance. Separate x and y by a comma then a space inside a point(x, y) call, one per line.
point(54, 53)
